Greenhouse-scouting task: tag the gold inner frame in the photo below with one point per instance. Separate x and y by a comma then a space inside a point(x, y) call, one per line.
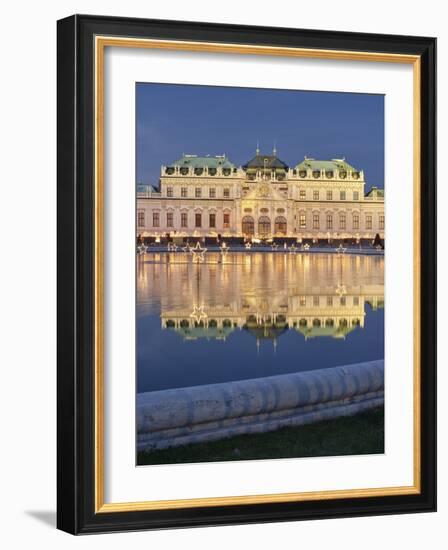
point(101, 42)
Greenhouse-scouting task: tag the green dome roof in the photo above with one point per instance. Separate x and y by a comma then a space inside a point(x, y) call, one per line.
point(330, 165)
point(218, 161)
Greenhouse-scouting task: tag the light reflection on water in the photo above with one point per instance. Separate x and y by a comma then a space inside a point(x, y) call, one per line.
point(253, 315)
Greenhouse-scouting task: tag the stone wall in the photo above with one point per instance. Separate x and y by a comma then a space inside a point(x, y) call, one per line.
point(196, 414)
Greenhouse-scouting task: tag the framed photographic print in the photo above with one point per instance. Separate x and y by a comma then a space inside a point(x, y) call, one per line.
point(246, 267)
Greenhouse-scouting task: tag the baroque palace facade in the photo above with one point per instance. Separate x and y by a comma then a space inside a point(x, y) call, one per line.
point(265, 198)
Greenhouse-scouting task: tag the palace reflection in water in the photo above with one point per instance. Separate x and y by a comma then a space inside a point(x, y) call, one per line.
point(254, 314)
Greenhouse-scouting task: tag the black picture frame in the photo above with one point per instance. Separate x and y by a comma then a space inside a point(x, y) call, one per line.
point(76, 271)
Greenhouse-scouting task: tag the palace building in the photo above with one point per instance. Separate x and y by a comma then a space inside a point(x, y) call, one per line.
point(265, 198)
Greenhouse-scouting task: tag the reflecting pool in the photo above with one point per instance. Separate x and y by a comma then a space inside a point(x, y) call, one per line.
point(254, 314)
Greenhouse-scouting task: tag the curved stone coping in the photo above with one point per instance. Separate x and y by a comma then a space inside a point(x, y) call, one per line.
point(193, 406)
point(258, 423)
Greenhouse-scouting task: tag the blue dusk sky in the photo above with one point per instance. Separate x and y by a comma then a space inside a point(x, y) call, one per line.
point(173, 119)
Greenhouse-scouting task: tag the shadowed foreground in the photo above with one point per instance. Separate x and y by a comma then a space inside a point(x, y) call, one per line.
point(354, 435)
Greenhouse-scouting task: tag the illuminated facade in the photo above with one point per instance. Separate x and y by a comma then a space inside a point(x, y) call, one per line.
point(265, 198)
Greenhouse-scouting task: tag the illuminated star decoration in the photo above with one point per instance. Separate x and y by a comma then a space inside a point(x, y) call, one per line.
point(341, 249)
point(198, 314)
point(341, 290)
point(224, 250)
point(186, 248)
point(274, 246)
point(292, 249)
point(172, 247)
point(198, 253)
point(378, 247)
point(306, 247)
point(248, 245)
point(142, 249)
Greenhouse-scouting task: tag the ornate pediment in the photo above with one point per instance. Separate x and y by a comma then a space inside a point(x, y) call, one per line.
point(265, 191)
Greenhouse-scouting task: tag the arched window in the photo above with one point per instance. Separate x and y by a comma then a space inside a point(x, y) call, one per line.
point(248, 225)
point(280, 225)
point(264, 226)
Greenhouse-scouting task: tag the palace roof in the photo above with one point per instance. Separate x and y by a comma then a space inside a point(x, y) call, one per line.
point(145, 188)
point(265, 161)
point(375, 191)
point(217, 161)
point(330, 165)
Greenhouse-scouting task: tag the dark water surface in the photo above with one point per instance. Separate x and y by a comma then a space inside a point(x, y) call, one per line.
point(254, 314)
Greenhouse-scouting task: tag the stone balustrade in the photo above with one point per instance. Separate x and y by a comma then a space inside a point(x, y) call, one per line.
point(170, 418)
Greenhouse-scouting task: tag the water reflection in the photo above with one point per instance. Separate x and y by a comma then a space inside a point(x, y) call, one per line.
point(294, 304)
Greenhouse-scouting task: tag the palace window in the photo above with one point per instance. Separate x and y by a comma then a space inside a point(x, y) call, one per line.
point(342, 221)
point(342, 195)
point(198, 219)
point(183, 192)
point(155, 219)
point(355, 221)
point(368, 221)
point(184, 219)
point(315, 301)
point(169, 219)
point(315, 221)
point(248, 225)
point(356, 300)
point(302, 221)
point(198, 192)
point(226, 220)
point(329, 195)
point(264, 226)
point(356, 195)
point(212, 192)
point(343, 301)
point(169, 191)
point(315, 195)
point(226, 193)
point(381, 221)
point(329, 221)
point(302, 194)
point(316, 174)
point(212, 220)
point(141, 218)
point(302, 302)
point(329, 300)
point(280, 225)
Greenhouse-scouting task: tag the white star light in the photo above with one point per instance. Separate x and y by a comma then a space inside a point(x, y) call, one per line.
point(341, 290)
point(142, 249)
point(198, 253)
point(340, 249)
point(224, 250)
point(198, 314)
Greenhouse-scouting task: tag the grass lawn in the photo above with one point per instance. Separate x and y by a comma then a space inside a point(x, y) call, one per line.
point(353, 435)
